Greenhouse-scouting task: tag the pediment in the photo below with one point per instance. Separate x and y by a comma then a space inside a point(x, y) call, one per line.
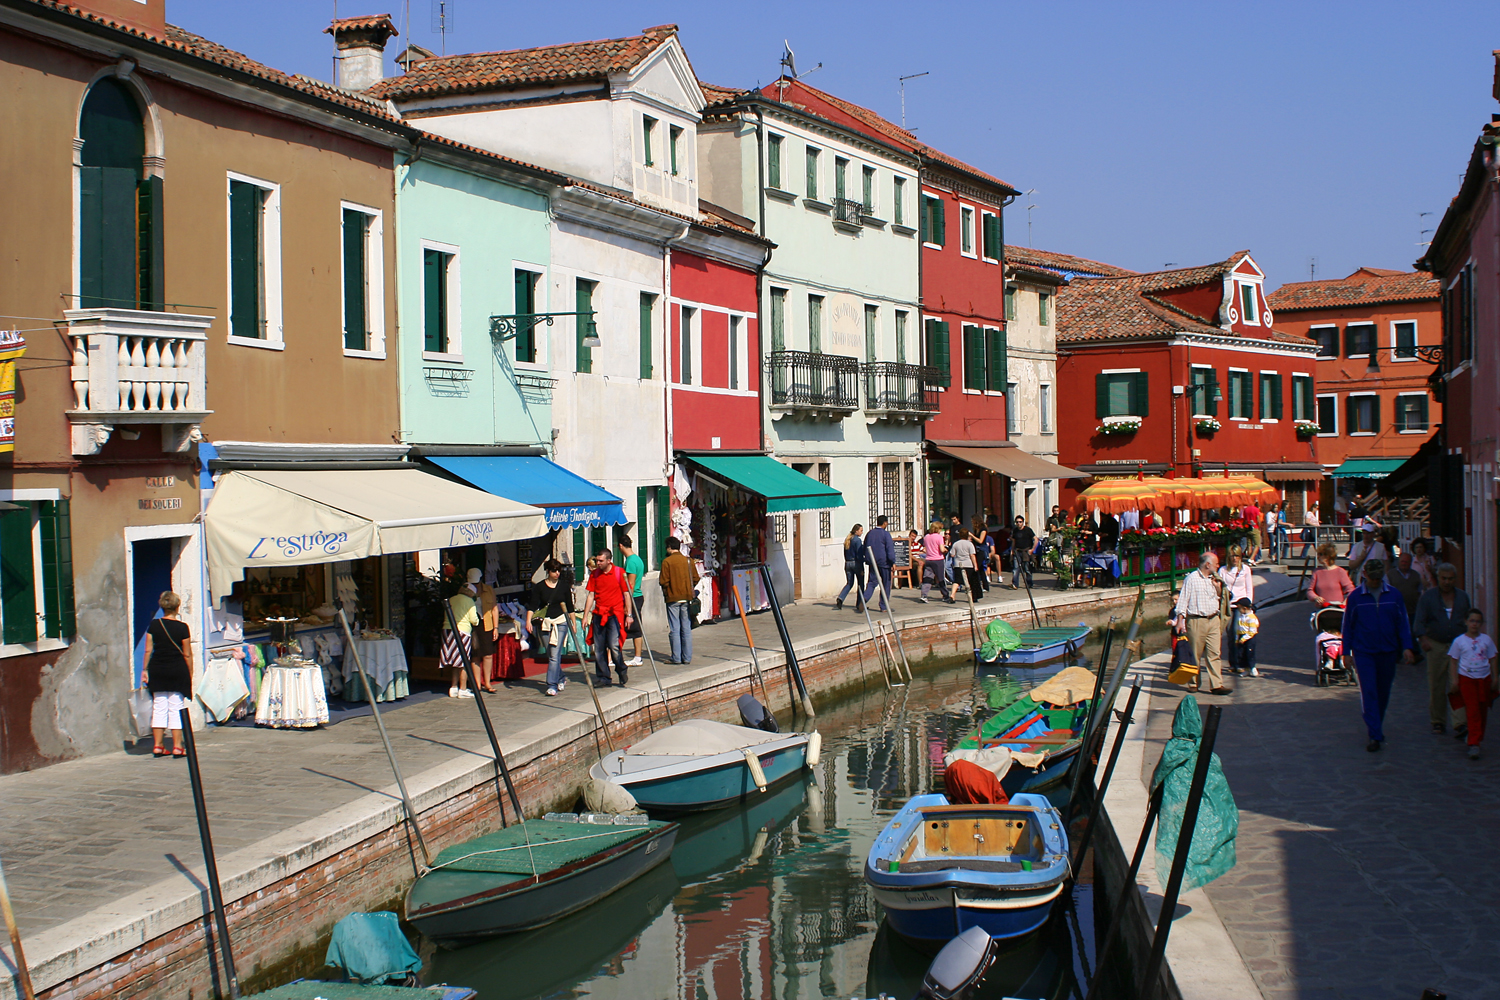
point(1247, 269)
point(666, 77)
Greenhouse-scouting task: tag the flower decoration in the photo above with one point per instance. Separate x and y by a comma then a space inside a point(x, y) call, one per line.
point(1305, 428)
point(1207, 425)
point(1119, 425)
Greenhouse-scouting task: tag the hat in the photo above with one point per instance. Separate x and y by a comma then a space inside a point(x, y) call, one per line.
point(1368, 526)
point(475, 574)
point(1244, 602)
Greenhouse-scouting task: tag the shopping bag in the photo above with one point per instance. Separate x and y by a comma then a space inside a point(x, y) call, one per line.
point(140, 711)
point(1184, 663)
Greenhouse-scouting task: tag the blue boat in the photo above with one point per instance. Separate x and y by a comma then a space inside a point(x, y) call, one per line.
point(1041, 645)
point(698, 764)
point(940, 869)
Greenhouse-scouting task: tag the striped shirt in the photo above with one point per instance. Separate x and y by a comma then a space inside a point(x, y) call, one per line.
point(1198, 596)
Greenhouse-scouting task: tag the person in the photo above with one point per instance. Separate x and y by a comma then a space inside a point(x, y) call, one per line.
point(1242, 631)
point(1357, 513)
point(1109, 531)
point(1273, 526)
point(1330, 582)
point(612, 617)
point(553, 604)
point(1087, 538)
point(1376, 634)
point(168, 674)
point(1310, 527)
point(1369, 546)
point(679, 582)
point(854, 568)
point(881, 548)
point(1472, 676)
point(458, 646)
point(487, 635)
point(1423, 563)
point(984, 547)
point(1240, 583)
point(1023, 538)
point(934, 550)
point(1441, 614)
point(1197, 610)
point(914, 545)
point(1251, 516)
point(635, 571)
point(1057, 520)
point(966, 564)
point(1403, 576)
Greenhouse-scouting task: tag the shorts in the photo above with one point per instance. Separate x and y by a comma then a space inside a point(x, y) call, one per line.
point(634, 631)
point(165, 709)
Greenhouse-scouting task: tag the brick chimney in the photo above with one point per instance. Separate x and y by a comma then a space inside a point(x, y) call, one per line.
point(146, 15)
point(361, 43)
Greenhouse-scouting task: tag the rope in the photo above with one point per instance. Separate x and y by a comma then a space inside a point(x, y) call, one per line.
point(527, 847)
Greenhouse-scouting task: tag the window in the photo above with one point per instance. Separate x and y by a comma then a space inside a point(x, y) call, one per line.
point(1328, 340)
point(526, 283)
point(937, 350)
point(898, 201)
point(1043, 299)
point(734, 351)
point(1328, 416)
point(1044, 404)
point(995, 358)
point(812, 173)
point(934, 220)
point(648, 357)
point(685, 346)
point(119, 207)
point(648, 139)
point(674, 139)
point(1362, 414)
point(778, 319)
point(36, 571)
point(1204, 383)
point(1248, 311)
point(1303, 406)
point(966, 230)
point(1411, 412)
point(1270, 396)
point(1458, 322)
point(994, 239)
point(254, 261)
point(1359, 340)
point(773, 161)
point(1404, 341)
point(364, 286)
point(584, 326)
point(815, 323)
point(1241, 395)
point(840, 179)
point(872, 333)
point(439, 302)
point(869, 190)
point(974, 372)
point(1121, 394)
point(1012, 410)
point(1010, 302)
point(900, 337)
point(825, 518)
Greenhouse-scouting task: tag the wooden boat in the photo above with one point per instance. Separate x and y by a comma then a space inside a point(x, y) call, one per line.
point(1026, 726)
point(939, 869)
point(699, 764)
point(533, 873)
point(1038, 645)
point(313, 989)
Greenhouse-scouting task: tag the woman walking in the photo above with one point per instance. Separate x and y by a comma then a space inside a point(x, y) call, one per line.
point(1330, 583)
point(1239, 583)
point(1376, 633)
point(168, 674)
point(552, 602)
point(934, 548)
point(854, 568)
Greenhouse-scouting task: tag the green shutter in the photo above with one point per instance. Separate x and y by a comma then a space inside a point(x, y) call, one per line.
point(778, 320)
point(583, 305)
point(149, 244)
point(1140, 396)
point(1101, 396)
point(1422, 411)
point(1374, 413)
point(773, 162)
point(17, 576)
point(815, 324)
point(898, 199)
point(973, 357)
point(940, 222)
point(995, 351)
point(663, 522)
point(992, 236)
point(642, 515)
point(840, 179)
point(580, 559)
point(1010, 303)
point(648, 304)
point(107, 237)
point(937, 350)
point(244, 260)
point(872, 332)
point(923, 217)
point(812, 174)
point(355, 337)
point(685, 345)
point(1276, 397)
point(524, 299)
point(434, 302)
point(57, 569)
point(1349, 411)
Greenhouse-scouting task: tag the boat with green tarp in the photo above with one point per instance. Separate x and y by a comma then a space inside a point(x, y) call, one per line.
point(532, 873)
point(1003, 644)
point(1042, 728)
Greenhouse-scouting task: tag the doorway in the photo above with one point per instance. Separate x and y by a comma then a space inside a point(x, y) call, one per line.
point(151, 562)
point(166, 557)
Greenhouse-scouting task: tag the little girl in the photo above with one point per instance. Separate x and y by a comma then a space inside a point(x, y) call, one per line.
point(1471, 676)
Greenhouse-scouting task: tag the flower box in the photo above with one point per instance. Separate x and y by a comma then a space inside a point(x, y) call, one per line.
point(1207, 425)
point(1305, 428)
point(1119, 425)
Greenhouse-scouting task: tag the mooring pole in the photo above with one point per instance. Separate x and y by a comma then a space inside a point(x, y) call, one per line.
point(739, 606)
point(786, 641)
point(501, 771)
point(1094, 715)
point(1109, 770)
point(890, 612)
point(587, 677)
point(211, 866)
point(22, 972)
point(1117, 914)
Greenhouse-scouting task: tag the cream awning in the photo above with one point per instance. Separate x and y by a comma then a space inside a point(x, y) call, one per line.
point(298, 518)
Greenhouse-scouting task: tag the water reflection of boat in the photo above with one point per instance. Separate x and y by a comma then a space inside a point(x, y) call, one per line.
point(713, 843)
point(1033, 968)
point(556, 958)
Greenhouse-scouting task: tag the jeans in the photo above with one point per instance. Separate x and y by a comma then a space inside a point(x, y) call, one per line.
point(1241, 654)
point(854, 578)
point(883, 579)
point(554, 657)
point(1020, 567)
point(680, 631)
point(607, 644)
point(1377, 672)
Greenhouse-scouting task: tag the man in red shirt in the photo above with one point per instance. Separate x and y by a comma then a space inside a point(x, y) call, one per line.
point(612, 616)
point(1251, 513)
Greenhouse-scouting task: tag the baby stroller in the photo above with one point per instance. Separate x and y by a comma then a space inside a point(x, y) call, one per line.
point(1328, 647)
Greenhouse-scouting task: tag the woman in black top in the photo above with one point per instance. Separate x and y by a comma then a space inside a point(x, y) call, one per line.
point(552, 602)
point(168, 674)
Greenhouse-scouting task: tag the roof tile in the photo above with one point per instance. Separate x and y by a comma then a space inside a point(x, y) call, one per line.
point(1062, 262)
point(1366, 286)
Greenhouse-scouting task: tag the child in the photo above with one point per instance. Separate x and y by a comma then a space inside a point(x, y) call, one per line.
point(1471, 673)
point(1242, 639)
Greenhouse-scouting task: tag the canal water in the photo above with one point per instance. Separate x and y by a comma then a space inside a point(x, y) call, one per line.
point(769, 900)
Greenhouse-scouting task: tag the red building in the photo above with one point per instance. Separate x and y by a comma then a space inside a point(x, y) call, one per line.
point(1187, 374)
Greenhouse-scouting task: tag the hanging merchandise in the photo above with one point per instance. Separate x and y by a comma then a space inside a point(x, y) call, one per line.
point(12, 346)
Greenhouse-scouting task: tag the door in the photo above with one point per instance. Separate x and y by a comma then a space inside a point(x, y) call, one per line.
point(796, 526)
point(151, 562)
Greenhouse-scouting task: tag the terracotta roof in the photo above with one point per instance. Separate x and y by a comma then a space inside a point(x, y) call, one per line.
point(362, 24)
point(548, 64)
point(1063, 262)
point(714, 94)
point(1366, 286)
point(716, 215)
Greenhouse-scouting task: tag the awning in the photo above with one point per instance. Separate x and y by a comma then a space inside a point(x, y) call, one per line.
point(569, 500)
point(1411, 477)
point(1013, 462)
point(300, 518)
point(784, 488)
point(1367, 468)
point(1293, 473)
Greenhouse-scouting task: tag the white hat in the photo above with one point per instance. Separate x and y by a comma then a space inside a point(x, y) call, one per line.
point(475, 574)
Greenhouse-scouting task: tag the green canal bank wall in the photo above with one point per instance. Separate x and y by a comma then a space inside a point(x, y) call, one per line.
point(284, 894)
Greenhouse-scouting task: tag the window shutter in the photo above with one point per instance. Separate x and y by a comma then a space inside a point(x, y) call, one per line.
point(1101, 396)
point(663, 522)
point(642, 517)
point(1139, 404)
point(648, 302)
point(583, 305)
point(1374, 413)
point(945, 362)
point(773, 162)
point(17, 576)
point(995, 353)
point(150, 239)
point(354, 281)
point(940, 217)
point(1276, 397)
point(973, 357)
point(107, 224)
point(57, 569)
point(244, 260)
point(579, 558)
point(432, 300)
point(812, 175)
point(922, 221)
point(1422, 411)
point(1349, 410)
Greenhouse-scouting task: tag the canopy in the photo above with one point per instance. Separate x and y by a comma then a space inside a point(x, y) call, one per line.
point(1367, 468)
point(300, 518)
point(569, 500)
point(1257, 490)
point(784, 488)
point(1011, 461)
point(1114, 496)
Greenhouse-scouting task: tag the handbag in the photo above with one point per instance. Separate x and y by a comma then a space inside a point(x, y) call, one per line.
point(140, 711)
point(1184, 663)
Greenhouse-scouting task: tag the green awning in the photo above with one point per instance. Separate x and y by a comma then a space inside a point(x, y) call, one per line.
point(1367, 468)
point(784, 488)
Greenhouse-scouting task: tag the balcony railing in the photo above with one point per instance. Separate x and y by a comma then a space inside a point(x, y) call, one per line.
point(849, 211)
point(132, 366)
point(900, 390)
point(814, 382)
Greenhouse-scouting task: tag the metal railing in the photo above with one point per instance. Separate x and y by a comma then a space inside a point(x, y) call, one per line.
point(848, 210)
point(893, 387)
point(813, 380)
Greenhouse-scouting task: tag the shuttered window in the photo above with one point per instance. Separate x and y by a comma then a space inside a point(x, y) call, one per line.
point(674, 140)
point(1405, 335)
point(1121, 394)
point(685, 345)
point(812, 173)
point(868, 195)
point(356, 281)
point(583, 298)
point(934, 220)
point(1362, 415)
point(648, 139)
point(119, 208)
point(778, 319)
point(815, 324)
point(525, 308)
point(36, 544)
point(937, 350)
point(1359, 339)
point(995, 360)
point(900, 337)
point(1043, 300)
point(1241, 396)
point(1204, 382)
point(872, 333)
point(435, 266)
point(898, 201)
point(993, 240)
point(247, 275)
point(1411, 412)
point(773, 161)
point(648, 309)
point(1010, 302)
point(1328, 340)
point(1303, 407)
point(973, 357)
point(1270, 396)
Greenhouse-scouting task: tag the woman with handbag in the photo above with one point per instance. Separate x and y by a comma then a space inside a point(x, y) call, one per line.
point(168, 674)
point(552, 605)
point(854, 568)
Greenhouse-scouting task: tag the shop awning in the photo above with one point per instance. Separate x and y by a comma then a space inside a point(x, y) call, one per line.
point(569, 500)
point(1410, 478)
point(1013, 462)
point(1366, 468)
point(300, 518)
point(784, 488)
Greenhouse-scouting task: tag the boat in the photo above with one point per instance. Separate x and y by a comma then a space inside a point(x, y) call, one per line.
point(698, 764)
point(1039, 645)
point(529, 874)
point(940, 869)
point(1028, 726)
point(315, 989)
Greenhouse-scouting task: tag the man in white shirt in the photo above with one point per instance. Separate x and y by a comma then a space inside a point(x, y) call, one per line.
point(1368, 547)
point(1198, 606)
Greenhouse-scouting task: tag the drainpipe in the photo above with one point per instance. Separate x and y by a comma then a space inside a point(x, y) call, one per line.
point(760, 326)
point(666, 325)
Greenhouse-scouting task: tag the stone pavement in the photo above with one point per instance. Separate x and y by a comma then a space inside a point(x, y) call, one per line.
point(1360, 875)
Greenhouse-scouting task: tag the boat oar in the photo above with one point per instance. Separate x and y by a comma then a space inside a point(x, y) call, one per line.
point(501, 771)
point(973, 621)
point(211, 867)
point(364, 680)
point(786, 641)
point(754, 656)
point(22, 972)
point(885, 598)
point(587, 679)
point(1117, 913)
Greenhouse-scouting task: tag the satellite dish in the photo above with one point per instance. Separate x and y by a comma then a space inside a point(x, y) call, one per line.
point(789, 60)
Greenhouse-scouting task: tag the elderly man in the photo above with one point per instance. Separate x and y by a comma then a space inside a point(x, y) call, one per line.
point(1405, 578)
point(1198, 605)
point(1376, 632)
point(1369, 546)
point(1439, 620)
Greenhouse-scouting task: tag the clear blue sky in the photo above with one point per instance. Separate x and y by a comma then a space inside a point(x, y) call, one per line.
point(1153, 133)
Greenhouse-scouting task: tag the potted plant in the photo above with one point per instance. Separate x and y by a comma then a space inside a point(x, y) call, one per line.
point(1305, 428)
point(1119, 425)
point(1207, 425)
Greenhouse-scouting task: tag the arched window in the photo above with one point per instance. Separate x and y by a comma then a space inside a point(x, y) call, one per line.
point(119, 207)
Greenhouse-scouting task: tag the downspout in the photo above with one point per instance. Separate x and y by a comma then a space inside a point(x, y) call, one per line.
point(760, 275)
point(666, 325)
point(922, 462)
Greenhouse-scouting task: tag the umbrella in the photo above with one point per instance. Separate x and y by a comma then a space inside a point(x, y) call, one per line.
point(1114, 496)
point(1257, 489)
point(1206, 494)
point(1172, 491)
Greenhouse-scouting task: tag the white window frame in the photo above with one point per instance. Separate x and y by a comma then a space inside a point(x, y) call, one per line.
point(1418, 395)
point(922, 195)
point(1259, 401)
point(874, 175)
point(1191, 386)
point(966, 216)
point(898, 201)
point(1044, 407)
point(734, 350)
point(1356, 395)
point(455, 352)
point(1416, 340)
point(650, 144)
point(544, 291)
point(690, 326)
point(1253, 393)
point(43, 643)
point(1012, 409)
point(1338, 420)
point(374, 284)
point(1337, 345)
point(1307, 375)
point(984, 331)
point(1374, 338)
point(271, 272)
point(1240, 287)
point(980, 247)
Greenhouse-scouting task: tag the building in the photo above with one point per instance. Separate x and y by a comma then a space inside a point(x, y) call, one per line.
point(1187, 374)
point(1379, 333)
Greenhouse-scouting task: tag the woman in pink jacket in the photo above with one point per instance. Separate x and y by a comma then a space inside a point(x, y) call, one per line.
point(1330, 582)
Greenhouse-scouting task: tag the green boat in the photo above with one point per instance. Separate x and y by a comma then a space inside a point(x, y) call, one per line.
point(1028, 727)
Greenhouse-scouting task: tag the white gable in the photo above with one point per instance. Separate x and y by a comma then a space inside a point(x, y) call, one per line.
point(665, 78)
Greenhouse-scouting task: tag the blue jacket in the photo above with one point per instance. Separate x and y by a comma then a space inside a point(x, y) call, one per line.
point(878, 541)
point(1376, 623)
point(854, 555)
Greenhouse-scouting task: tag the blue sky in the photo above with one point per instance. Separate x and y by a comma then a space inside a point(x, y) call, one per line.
point(1168, 133)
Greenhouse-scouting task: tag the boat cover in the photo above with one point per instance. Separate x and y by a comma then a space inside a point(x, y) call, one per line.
point(1211, 853)
point(549, 844)
point(1066, 687)
point(370, 947)
point(700, 738)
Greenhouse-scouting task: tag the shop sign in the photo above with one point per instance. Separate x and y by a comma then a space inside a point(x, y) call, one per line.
point(170, 503)
point(845, 332)
point(292, 546)
point(471, 533)
point(574, 517)
point(12, 346)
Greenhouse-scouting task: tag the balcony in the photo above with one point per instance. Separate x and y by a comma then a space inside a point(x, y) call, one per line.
point(813, 385)
point(848, 215)
point(899, 392)
point(133, 366)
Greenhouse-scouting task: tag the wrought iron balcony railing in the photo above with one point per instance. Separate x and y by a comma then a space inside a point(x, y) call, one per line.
point(895, 389)
point(813, 381)
point(848, 210)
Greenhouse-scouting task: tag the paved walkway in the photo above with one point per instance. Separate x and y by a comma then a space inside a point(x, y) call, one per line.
point(1360, 875)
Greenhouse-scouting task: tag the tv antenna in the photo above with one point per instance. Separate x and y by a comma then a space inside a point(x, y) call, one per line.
point(1028, 215)
point(902, 80)
point(1312, 269)
point(1425, 232)
point(442, 21)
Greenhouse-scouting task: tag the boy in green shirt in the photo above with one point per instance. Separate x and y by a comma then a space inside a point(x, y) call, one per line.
point(635, 571)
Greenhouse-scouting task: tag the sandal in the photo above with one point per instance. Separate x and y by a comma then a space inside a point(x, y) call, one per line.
point(158, 751)
point(179, 751)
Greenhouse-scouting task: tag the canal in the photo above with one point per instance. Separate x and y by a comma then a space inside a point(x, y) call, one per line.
point(769, 900)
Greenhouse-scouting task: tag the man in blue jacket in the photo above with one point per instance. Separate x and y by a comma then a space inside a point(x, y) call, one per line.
point(882, 550)
point(1376, 632)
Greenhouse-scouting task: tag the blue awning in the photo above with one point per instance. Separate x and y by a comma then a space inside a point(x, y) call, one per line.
point(569, 500)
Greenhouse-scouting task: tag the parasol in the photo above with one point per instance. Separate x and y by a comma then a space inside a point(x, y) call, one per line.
point(1114, 496)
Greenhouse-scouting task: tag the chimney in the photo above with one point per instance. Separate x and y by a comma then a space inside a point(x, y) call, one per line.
point(361, 43)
